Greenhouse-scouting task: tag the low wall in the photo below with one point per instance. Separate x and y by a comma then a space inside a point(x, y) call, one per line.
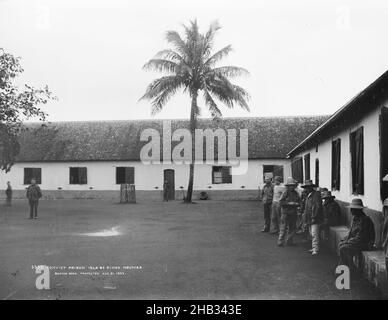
point(141, 195)
point(371, 263)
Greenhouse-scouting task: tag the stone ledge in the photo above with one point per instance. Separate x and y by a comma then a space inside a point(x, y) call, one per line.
point(372, 263)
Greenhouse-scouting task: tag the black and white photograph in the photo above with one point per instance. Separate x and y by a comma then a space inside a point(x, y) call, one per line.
point(212, 151)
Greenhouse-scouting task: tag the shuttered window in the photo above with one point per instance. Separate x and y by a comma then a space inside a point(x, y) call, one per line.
point(357, 159)
point(78, 175)
point(30, 173)
point(125, 175)
point(336, 164)
point(307, 166)
point(297, 169)
point(221, 175)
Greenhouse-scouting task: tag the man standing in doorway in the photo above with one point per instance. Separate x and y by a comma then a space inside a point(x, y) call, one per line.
point(33, 195)
point(266, 197)
point(313, 214)
point(8, 193)
point(166, 187)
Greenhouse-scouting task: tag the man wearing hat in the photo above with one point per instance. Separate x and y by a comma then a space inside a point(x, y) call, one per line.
point(289, 203)
point(313, 214)
point(361, 236)
point(331, 213)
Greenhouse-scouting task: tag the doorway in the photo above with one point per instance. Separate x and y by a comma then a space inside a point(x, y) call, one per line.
point(169, 175)
point(384, 153)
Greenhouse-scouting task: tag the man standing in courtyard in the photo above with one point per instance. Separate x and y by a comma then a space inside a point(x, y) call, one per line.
point(278, 190)
point(33, 195)
point(289, 203)
point(8, 193)
point(166, 187)
point(267, 197)
point(361, 236)
point(313, 214)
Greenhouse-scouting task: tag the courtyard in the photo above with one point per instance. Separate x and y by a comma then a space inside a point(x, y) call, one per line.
point(159, 250)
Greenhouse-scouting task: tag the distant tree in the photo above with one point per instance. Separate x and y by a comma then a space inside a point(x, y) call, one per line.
point(191, 66)
point(16, 106)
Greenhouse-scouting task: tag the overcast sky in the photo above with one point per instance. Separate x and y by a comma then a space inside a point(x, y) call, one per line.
point(304, 57)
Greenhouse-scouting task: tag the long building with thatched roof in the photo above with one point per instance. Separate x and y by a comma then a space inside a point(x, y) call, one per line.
point(92, 159)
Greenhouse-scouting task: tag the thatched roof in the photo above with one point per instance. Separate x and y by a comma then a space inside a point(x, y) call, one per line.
point(269, 137)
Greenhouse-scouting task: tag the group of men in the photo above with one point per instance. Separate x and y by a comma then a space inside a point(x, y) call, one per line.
point(33, 195)
point(311, 213)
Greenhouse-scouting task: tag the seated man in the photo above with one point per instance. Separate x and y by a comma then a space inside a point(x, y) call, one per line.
point(331, 213)
point(361, 236)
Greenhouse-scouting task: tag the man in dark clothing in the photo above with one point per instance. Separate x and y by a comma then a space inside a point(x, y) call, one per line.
point(331, 213)
point(289, 203)
point(8, 193)
point(313, 214)
point(33, 195)
point(166, 188)
point(267, 197)
point(360, 237)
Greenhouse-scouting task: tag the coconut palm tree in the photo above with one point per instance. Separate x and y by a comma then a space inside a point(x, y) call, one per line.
point(190, 65)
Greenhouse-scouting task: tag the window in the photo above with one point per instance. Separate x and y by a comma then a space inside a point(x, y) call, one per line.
point(78, 175)
point(357, 160)
point(317, 172)
point(307, 166)
point(271, 171)
point(336, 164)
point(125, 175)
point(297, 169)
point(30, 173)
point(221, 175)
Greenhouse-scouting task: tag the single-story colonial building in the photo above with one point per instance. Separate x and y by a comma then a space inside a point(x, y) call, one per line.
point(92, 159)
point(348, 153)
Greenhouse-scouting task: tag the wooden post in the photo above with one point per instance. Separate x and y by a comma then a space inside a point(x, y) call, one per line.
point(127, 193)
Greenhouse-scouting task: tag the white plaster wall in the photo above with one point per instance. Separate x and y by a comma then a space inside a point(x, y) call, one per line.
point(371, 197)
point(101, 175)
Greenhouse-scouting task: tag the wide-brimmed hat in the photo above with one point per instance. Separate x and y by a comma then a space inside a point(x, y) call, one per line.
point(308, 183)
point(290, 182)
point(327, 194)
point(356, 204)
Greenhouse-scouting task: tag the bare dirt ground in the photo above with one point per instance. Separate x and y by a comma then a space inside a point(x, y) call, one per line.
point(207, 250)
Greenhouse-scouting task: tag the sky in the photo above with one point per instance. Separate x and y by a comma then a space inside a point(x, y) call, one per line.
point(304, 57)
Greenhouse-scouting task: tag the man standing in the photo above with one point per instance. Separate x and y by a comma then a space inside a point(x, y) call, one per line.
point(166, 187)
point(266, 197)
point(8, 193)
point(278, 190)
point(313, 214)
point(331, 213)
point(33, 195)
point(289, 203)
point(361, 236)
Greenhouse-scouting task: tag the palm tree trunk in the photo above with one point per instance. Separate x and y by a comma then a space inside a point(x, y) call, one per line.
point(193, 125)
